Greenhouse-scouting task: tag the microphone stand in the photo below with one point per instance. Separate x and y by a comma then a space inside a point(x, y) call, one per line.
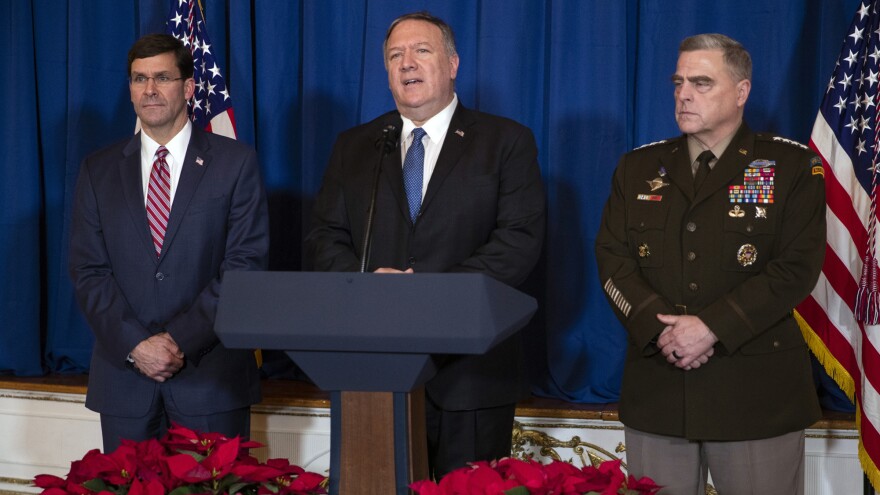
point(388, 142)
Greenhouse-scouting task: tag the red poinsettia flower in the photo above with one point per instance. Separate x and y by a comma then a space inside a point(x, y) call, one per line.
point(184, 462)
point(152, 487)
point(514, 476)
point(182, 439)
point(215, 466)
point(306, 483)
point(479, 478)
point(564, 479)
point(529, 474)
point(642, 485)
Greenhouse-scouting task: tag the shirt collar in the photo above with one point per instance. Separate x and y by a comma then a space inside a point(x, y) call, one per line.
point(436, 126)
point(176, 147)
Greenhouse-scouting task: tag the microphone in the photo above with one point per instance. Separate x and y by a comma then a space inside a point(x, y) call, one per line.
point(386, 143)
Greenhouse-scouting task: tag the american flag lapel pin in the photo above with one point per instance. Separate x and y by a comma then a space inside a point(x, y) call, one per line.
point(459, 132)
point(199, 161)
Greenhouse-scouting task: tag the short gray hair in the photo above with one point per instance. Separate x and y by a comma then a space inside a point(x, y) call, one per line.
point(445, 30)
point(736, 57)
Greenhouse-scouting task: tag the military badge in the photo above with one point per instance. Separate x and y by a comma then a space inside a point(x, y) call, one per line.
point(760, 212)
point(644, 250)
point(747, 254)
point(657, 183)
point(757, 184)
point(737, 212)
point(780, 139)
point(816, 166)
point(762, 164)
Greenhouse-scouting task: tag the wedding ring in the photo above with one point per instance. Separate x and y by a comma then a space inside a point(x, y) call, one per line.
point(675, 355)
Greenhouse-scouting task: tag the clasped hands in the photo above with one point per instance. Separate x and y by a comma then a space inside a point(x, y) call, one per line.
point(686, 341)
point(158, 357)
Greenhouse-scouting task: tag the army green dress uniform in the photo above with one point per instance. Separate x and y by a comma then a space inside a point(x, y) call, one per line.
point(740, 254)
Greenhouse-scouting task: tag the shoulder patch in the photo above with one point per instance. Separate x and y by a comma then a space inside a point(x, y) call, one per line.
point(816, 166)
point(655, 143)
point(779, 139)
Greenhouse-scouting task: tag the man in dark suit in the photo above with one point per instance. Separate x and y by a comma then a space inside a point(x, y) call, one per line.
point(476, 204)
point(148, 279)
point(707, 243)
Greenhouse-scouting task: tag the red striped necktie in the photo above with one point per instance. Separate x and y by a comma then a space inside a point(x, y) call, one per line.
point(159, 198)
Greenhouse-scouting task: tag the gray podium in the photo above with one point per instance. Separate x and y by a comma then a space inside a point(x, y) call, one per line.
point(370, 339)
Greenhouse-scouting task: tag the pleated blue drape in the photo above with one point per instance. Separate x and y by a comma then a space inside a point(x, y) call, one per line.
point(591, 78)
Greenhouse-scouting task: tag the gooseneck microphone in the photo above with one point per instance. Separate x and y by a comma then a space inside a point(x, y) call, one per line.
point(386, 143)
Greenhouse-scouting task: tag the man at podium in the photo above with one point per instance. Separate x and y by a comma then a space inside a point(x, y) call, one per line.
point(455, 190)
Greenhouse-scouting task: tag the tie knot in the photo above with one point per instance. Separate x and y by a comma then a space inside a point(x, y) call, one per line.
point(705, 157)
point(161, 153)
point(418, 134)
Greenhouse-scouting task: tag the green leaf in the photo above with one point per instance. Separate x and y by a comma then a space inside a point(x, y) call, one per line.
point(185, 490)
point(520, 490)
point(237, 487)
point(96, 485)
point(272, 487)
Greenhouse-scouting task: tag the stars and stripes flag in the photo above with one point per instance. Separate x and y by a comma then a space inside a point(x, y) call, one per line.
point(840, 318)
point(210, 107)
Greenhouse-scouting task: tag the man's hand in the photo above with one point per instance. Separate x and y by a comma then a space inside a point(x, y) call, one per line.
point(392, 270)
point(158, 357)
point(686, 341)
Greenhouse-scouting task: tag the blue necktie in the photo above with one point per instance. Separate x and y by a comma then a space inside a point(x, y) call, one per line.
point(413, 170)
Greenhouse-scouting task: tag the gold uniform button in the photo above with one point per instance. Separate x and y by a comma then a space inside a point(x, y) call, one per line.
point(691, 256)
point(691, 226)
point(693, 287)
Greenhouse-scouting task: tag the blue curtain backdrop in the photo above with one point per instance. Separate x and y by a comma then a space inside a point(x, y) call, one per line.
point(591, 78)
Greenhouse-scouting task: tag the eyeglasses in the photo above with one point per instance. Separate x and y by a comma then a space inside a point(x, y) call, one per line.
point(161, 80)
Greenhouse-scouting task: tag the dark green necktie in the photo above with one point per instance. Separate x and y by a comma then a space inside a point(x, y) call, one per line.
point(702, 169)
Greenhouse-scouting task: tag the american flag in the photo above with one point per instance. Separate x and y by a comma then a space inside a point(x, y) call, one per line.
point(210, 107)
point(844, 334)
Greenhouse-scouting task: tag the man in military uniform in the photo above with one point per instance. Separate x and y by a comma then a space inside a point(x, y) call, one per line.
point(707, 243)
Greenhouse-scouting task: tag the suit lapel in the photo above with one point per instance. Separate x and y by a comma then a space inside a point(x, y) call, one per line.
point(392, 167)
point(132, 184)
point(196, 162)
point(456, 142)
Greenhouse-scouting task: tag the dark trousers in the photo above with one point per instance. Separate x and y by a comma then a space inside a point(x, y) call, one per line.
point(162, 413)
point(456, 438)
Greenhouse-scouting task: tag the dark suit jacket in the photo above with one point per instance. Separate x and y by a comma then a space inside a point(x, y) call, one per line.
point(663, 249)
point(483, 212)
point(218, 222)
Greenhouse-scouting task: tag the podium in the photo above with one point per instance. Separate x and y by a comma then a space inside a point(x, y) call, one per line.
point(371, 340)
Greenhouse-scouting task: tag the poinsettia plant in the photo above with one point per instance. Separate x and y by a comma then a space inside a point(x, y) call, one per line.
point(183, 462)
point(516, 477)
